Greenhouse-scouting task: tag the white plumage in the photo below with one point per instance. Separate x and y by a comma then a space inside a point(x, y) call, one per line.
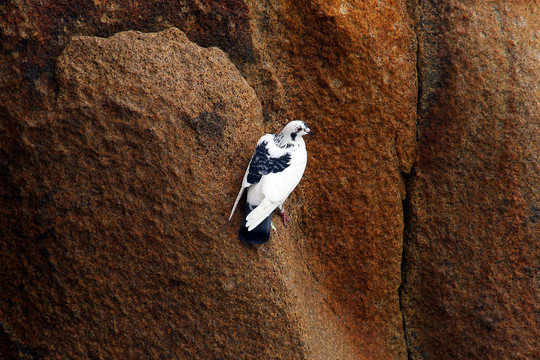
point(272, 174)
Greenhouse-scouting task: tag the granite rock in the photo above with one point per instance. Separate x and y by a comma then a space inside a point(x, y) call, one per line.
point(114, 160)
point(126, 251)
point(119, 239)
point(472, 253)
point(348, 69)
point(126, 128)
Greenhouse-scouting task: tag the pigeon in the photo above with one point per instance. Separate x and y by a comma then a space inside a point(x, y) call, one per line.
point(272, 174)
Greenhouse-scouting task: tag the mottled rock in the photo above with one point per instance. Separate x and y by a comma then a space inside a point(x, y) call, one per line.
point(472, 254)
point(120, 157)
point(348, 70)
point(126, 251)
point(108, 251)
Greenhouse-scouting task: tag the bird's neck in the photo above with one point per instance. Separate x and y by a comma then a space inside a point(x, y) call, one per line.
point(286, 140)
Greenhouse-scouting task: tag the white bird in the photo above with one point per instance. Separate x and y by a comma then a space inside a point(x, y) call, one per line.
point(272, 174)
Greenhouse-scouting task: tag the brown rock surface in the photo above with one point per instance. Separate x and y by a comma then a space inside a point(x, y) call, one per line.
point(472, 258)
point(33, 33)
point(121, 154)
point(348, 69)
point(122, 254)
point(126, 251)
point(100, 182)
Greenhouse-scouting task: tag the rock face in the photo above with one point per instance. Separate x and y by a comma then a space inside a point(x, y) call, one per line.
point(126, 242)
point(348, 69)
point(128, 181)
point(472, 251)
point(126, 129)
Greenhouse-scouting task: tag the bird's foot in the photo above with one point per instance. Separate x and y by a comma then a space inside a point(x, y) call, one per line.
point(283, 214)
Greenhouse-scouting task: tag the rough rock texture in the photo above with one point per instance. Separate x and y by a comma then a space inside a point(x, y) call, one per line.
point(125, 250)
point(121, 164)
point(121, 153)
point(348, 69)
point(472, 258)
point(118, 256)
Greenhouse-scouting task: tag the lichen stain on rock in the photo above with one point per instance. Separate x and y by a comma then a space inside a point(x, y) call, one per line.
point(209, 125)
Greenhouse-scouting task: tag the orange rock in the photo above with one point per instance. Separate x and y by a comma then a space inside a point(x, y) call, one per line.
point(472, 249)
point(348, 70)
point(124, 155)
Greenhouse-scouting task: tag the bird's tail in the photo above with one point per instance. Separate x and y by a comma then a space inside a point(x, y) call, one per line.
point(260, 234)
point(260, 213)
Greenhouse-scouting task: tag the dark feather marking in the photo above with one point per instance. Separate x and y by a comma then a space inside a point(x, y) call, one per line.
point(262, 164)
point(278, 140)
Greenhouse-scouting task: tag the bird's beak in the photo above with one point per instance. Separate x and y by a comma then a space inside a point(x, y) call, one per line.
point(309, 132)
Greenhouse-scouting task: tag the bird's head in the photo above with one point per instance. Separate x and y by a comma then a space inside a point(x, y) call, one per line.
point(296, 128)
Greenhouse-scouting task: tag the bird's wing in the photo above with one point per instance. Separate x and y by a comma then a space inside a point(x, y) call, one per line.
point(266, 160)
point(277, 184)
point(276, 188)
point(236, 201)
point(282, 174)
